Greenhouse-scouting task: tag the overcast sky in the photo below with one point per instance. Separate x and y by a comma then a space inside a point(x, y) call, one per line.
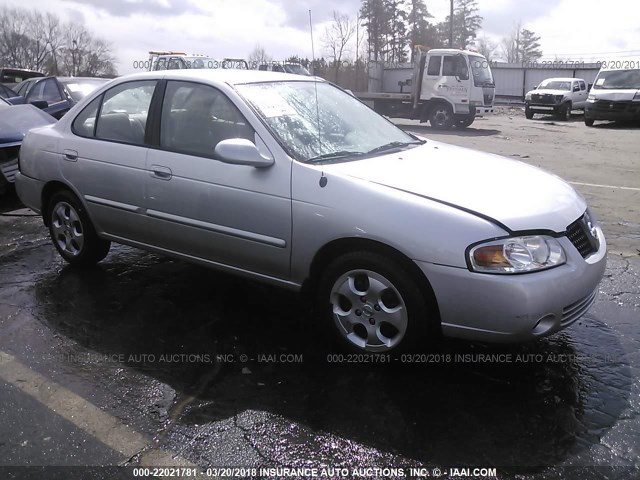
point(587, 29)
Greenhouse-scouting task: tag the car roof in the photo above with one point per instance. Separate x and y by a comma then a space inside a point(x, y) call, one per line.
point(220, 75)
point(562, 79)
point(81, 79)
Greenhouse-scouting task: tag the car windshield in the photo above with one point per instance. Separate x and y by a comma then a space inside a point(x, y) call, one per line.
point(336, 126)
point(618, 79)
point(80, 88)
point(482, 76)
point(297, 69)
point(556, 85)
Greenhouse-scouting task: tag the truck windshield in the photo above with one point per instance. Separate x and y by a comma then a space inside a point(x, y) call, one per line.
point(556, 85)
point(336, 127)
point(482, 76)
point(611, 79)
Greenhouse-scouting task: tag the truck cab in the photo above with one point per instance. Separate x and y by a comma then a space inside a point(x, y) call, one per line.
point(449, 88)
point(615, 94)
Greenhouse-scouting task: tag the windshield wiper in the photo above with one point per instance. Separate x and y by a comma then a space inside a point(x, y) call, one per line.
point(393, 146)
point(335, 155)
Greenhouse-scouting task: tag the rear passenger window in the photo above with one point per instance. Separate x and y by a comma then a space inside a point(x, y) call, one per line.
point(196, 117)
point(434, 66)
point(123, 116)
point(84, 123)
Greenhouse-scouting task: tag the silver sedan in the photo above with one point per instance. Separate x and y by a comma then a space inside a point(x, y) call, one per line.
point(292, 181)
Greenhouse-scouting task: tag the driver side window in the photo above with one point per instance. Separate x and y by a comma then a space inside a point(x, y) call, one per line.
point(196, 117)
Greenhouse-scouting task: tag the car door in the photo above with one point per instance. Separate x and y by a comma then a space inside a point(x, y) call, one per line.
point(235, 215)
point(581, 94)
point(104, 158)
point(49, 90)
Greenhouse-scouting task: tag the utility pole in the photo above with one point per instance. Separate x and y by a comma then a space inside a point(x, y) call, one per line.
point(451, 26)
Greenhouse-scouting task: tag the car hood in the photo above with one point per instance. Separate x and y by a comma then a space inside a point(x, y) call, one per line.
point(509, 192)
point(617, 95)
point(548, 91)
point(16, 121)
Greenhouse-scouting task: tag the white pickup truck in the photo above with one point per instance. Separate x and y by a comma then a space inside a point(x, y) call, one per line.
point(557, 96)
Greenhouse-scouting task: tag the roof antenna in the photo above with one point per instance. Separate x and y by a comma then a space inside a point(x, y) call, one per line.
point(323, 179)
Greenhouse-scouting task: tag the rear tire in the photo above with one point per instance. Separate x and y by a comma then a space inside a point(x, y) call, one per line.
point(565, 112)
point(369, 303)
point(72, 232)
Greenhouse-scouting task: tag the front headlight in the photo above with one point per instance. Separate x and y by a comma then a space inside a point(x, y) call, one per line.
point(559, 98)
point(591, 98)
point(527, 96)
point(517, 255)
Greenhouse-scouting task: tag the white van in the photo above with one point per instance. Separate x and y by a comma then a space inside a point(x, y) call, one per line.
point(615, 94)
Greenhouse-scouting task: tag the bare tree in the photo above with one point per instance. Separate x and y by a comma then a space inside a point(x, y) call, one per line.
point(30, 39)
point(486, 47)
point(511, 44)
point(337, 36)
point(258, 55)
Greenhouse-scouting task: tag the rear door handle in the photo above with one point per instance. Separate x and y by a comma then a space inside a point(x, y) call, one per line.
point(163, 173)
point(71, 155)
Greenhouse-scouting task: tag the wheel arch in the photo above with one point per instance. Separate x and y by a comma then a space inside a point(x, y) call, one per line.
point(434, 102)
point(49, 190)
point(335, 248)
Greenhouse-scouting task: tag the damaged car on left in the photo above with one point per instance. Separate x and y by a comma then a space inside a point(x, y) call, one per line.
point(15, 122)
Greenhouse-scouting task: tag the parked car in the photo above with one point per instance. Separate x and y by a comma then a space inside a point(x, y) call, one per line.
point(6, 92)
point(15, 122)
point(558, 96)
point(615, 95)
point(296, 183)
point(12, 76)
point(56, 94)
point(287, 67)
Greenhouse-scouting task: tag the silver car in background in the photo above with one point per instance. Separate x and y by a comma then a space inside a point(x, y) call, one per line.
point(291, 181)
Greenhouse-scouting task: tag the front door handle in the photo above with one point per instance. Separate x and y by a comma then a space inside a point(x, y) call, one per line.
point(163, 173)
point(71, 155)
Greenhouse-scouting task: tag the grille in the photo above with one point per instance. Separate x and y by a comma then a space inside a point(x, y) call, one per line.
point(612, 106)
point(9, 170)
point(572, 312)
point(579, 233)
point(545, 99)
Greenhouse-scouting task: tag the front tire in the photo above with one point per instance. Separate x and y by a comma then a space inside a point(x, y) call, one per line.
point(528, 113)
point(441, 116)
point(370, 303)
point(72, 232)
point(589, 122)
point(465, 122)
point(565, 112)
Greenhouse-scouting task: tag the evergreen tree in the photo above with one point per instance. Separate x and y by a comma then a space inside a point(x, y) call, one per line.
point(529, 46)
point(420, 30)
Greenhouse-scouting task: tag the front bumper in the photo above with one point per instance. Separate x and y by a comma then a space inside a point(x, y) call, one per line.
point(516, 308)
point(539, 108)
point(29, 191)
point(480, 111)
point(612, 111)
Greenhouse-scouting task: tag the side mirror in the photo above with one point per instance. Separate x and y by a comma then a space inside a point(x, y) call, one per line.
point(41, 104)
point(240, 151)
